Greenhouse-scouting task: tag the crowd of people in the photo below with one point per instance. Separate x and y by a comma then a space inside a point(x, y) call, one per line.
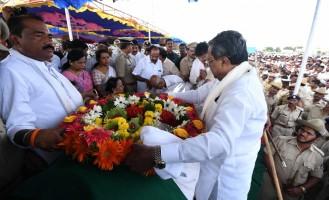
point(39, 86)
point(298, 124)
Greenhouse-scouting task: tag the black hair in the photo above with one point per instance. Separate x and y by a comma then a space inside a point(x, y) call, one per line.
point(169, 40)
point(201, 48)
point(16, 23)
point(124, 45)
point(182, 44)
point(78, 44)
point(111, 84)
point(72, 56)
point(163, 53)
point(230, 44)
point(98, 56)
point(153, 47)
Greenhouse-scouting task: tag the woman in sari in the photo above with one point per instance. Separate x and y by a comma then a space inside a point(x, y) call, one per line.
point(102, 71)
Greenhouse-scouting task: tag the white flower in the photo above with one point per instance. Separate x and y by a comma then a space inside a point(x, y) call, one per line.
point(90, 117)
point(133, 99)
point(179, 111)
point(121, 102)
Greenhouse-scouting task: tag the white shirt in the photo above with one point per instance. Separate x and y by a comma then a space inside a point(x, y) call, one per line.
point(145, 69)
point(139, 56)
point(228, 151)
point(56, 63)
point(195, 70)
point(28, 99)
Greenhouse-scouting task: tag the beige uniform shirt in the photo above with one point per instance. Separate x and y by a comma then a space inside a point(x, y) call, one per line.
point(300, 165)
point(169, 68)
point(185, 67)
point(271, 103)
point(124, 67)
point(284, 120)
point(315, 111)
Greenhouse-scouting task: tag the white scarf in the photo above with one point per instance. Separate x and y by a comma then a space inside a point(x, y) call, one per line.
point(232, 76)
point(67, 94)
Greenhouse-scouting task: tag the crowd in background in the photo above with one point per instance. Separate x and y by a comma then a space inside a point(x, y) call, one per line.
point(285, 110)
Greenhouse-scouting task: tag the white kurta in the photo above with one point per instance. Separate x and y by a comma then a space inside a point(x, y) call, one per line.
point(34, 96)
point(145, 69)
point(228, 151)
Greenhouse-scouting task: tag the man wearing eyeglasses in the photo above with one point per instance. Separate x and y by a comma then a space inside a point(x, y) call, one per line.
point(304, 162)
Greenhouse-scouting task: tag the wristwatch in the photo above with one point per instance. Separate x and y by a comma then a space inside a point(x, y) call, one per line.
point(158, 162)
point(303, 189)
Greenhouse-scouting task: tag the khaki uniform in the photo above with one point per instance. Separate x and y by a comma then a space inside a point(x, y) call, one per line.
point(169, 68)
point(124, 68)
point(284, 120)
point(282, 92)
point(267, 85)
point(271, 103)
point(315, 111)
point(300, 166)
point(185, 67)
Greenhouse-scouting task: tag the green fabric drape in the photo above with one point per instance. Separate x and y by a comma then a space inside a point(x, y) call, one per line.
point(67, 179)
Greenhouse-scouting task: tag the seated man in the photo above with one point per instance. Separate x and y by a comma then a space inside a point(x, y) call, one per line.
point(304, 162)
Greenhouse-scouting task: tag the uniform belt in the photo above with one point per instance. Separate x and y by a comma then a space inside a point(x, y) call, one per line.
point(284, 126)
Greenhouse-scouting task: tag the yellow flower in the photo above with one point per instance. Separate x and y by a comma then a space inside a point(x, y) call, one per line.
point(198, 124)
point(89, 128)
point(70, 118)
point(98, 121)
point(158, 107)
point(123, 133)
point(123, 126)
point(92, 102)
point(82, 109)
point(148, 121)
point(180, 132)
point(137, 133)
point(149, 114)
point(188, 108)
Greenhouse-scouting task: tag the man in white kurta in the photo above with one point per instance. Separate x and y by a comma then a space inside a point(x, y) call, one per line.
point(235, 120)
point(147, 67)
point(34, 95)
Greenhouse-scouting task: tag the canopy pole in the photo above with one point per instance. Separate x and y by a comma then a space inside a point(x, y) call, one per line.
point(149, 34)
point(307, 49)
point(68, 22)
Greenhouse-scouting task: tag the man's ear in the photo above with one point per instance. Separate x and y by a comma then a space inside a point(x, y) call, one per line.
point(226, 60)
point(14, 39)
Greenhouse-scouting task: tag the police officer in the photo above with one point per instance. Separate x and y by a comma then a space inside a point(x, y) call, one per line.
point(303, 159)
point(284, 117)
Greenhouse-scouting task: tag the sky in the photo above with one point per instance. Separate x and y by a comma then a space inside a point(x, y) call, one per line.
point(275, 23)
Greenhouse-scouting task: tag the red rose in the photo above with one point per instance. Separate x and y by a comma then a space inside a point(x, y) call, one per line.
point(134, 111)
point(102, 102)
point(168, 118)
point(192, 131)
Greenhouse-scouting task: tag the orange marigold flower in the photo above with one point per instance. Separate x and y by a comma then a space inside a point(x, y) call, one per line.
point(109, 154)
